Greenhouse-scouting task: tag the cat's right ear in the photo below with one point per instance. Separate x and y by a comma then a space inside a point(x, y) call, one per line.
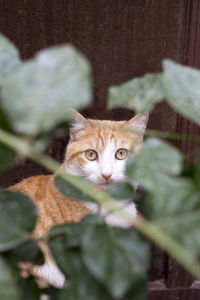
point(79, 123)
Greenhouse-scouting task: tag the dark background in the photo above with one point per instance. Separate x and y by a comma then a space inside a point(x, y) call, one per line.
point(122, 39)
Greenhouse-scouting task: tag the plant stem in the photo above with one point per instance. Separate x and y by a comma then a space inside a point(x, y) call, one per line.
point(172, 136)
point(169, 245)
point(148, 229)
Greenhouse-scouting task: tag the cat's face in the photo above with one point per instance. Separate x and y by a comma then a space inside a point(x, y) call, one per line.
point(98, 149)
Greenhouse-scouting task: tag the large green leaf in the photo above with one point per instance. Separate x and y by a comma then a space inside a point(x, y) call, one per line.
point(182, 89)
point(9, 57)
point(64, 244)
point(76, 253)
point(17, 219)
point(38, 95)
point(115, 256)
point(139, 94)
point(153, 163)
point(175, 207)
point(7, 158)
point(172, 202)
point(82, 285)
point(9, 288)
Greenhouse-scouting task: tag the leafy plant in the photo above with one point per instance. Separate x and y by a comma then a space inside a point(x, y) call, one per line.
point(101, 262)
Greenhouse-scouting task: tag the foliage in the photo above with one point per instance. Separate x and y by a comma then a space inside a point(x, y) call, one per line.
point(100, 262)
point(51, 78)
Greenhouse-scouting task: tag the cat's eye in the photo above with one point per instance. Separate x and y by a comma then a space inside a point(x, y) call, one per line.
point(121, 154)
point(91, 154)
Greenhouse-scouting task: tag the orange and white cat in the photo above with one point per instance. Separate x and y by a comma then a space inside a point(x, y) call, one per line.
point(97, 151)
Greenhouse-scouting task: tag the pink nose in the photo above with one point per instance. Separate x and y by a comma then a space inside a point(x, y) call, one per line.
point(106, 176)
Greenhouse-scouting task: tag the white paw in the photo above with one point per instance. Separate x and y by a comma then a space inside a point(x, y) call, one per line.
point(113, 218)
point(52, 274)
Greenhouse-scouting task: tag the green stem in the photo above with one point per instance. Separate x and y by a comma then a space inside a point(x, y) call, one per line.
point(172, 136)
point(148, 229)
point(169, 245)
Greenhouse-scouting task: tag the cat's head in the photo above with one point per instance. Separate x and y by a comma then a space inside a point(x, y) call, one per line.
point(98, 150)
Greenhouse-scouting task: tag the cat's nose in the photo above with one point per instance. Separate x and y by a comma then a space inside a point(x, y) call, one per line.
point(106, 176)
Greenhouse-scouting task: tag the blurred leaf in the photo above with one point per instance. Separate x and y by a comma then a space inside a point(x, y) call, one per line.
point(9, 57)
point(70, 191)
point(38, 95)
point(28, 251)
point(9, 288)
point(7, 158)
point(139, 94)
point(175, 208)
point(172, 202)
point(82, 285)
point(4, 124)
point(99, 251)
point(174, 197)
point(17, 219)
point(69, 234)
point(121, 191)
point(182, 89)
point(138, 290)
point(153, 163)
point(115, 256)
point(30, 289)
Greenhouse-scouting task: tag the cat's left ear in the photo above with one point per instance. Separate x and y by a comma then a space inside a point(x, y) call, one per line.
point(139, 123)
point(79, 123)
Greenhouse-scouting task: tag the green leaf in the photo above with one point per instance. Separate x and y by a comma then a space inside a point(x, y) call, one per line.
point(64, 244)
point(7, 158)
point(30, 289)
point(17, 219)
point(28, 252)
point(82, 284)
point(115, 256)
point(173, 203)
point(39, 94)
point(153, 163)
point(121, 191)
point(4, 124)
point(139, 94)
point(182, 89)
point(9, 288)
point(92, 262)
point(175, 208)
point(9, 57)
point(70, 191)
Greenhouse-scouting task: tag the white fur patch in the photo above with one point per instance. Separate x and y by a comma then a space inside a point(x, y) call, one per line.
point(52, 274)
point(110, 217)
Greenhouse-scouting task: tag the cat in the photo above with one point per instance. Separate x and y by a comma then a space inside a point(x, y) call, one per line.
point(97, 150)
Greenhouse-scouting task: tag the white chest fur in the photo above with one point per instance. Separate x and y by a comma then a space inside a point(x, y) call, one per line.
point(110, 217)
